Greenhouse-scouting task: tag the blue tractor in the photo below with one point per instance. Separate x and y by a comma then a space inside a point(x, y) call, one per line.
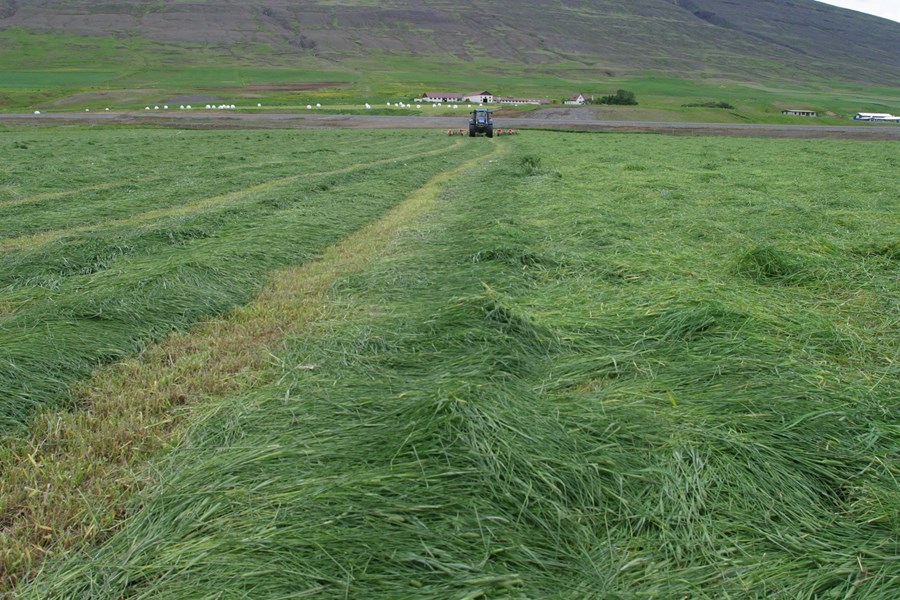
point(480, 122)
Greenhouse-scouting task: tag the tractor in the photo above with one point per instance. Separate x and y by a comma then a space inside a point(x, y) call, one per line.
point(480, 122)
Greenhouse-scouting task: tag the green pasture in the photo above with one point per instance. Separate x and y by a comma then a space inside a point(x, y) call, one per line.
point(606, 366)
point(48, 71)
point(200, 77)
point(766, 100)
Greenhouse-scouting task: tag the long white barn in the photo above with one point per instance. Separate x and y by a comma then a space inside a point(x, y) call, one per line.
point(876, 117)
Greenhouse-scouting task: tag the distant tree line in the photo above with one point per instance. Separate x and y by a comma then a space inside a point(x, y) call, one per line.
point(718, 104)
point(621, 97)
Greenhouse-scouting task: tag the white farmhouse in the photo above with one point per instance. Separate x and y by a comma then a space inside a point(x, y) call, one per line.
point(483, 97)
point(578, 99)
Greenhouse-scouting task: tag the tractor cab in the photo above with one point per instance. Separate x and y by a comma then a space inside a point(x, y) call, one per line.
point(480, 122)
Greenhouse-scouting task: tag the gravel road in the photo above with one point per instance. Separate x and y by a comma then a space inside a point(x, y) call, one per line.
point(537, 120)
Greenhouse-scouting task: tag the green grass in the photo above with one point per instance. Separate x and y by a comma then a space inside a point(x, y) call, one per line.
point(64, 79)
point(54, 72)
point(122, 236)
point(605, 366)
point(205, 76)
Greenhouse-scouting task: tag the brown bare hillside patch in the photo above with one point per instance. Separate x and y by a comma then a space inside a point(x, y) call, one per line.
point(189, 98)
point(296, 86)
point(113, 96)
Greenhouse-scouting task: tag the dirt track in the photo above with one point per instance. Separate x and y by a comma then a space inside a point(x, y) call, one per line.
point(220, 119)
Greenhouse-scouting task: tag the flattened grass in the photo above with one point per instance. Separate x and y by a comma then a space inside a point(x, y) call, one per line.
point(83, 295)
point(66, 483)
point(563, 383)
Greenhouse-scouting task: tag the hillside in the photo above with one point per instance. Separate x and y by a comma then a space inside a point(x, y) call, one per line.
point(798, 40)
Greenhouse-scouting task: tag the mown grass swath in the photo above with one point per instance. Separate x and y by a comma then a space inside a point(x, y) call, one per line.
point(67, 477)
point(98, 278)
point(609, 366)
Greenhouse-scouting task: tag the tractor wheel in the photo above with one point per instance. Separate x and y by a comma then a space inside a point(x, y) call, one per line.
point(490, 131)
point(471, 131)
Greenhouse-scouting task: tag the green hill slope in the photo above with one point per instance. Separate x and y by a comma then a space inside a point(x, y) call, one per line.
point(761, 57)
point(800, 38)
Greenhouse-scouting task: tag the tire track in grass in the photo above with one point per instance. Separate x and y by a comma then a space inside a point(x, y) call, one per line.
point(44, 237)
point(37, 198)
point(99, 187)
point(111, 300)
point(66, 483)
point(379, 148)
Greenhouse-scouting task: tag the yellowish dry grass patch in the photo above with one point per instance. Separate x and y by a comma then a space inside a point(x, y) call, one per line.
point(66, 482)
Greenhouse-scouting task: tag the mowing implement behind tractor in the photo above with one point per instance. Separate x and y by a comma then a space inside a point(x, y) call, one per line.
point(480, 122)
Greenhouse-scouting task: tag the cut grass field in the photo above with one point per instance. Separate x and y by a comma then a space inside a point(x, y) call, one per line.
point(586, 366)
point(121, 236)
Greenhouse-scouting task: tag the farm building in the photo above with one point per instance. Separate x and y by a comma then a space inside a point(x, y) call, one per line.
point(513, 100)
point(483, 97)
point(793, 112)
point(876, 117)
point(578, 99)
point(440, 97)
